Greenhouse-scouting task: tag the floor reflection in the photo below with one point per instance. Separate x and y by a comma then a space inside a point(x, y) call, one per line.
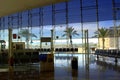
point(87, 70)
point(74, 74)
point(110, 66)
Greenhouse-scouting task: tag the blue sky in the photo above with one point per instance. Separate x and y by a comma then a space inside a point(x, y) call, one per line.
point(89, 10)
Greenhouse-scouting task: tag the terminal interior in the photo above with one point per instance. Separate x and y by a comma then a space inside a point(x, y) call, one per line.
point(56, 40)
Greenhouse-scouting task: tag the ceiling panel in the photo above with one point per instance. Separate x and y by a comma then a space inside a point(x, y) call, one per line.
point(8, 7)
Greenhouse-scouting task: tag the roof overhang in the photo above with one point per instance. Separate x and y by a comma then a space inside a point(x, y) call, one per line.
point(8, 7)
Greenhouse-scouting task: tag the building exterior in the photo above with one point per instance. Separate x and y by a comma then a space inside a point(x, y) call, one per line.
point(112, 41)
point(109, 43)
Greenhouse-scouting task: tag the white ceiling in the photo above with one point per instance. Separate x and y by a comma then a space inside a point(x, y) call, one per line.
point(8, 7)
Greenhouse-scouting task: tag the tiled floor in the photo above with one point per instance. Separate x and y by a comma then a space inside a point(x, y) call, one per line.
point(96, 70)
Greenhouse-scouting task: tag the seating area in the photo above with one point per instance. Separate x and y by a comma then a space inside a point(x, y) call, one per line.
point(20, 57)
point(108, 53)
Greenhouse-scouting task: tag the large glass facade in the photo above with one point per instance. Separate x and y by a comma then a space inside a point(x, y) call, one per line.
point(79, 14)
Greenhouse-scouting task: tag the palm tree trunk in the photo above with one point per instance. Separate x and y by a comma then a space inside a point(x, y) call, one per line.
point(103, 43)
point(71, 41)
point(27, 43)
point(71, 44)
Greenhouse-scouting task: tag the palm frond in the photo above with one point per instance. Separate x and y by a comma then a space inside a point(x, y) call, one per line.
point(33, 35)
point(25, 33)
point(103, 32)
point(70, 31)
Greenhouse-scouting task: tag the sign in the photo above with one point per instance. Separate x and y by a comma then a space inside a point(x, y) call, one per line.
point(14, 36)
point(45, 39)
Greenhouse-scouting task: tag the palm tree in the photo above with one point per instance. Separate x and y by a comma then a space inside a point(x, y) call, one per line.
point(102, 33)
point(26, 34)
point(69, 32)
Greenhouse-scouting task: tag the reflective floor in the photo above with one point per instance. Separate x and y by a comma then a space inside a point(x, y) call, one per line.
point(88, 69)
